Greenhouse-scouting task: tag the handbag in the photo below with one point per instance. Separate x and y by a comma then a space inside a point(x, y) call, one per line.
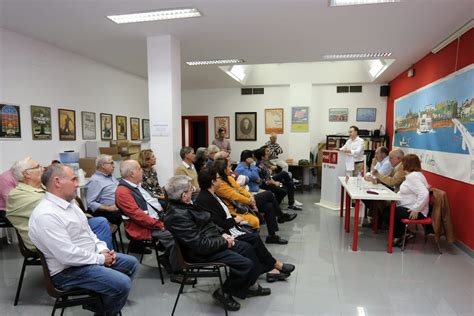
point(241, 208)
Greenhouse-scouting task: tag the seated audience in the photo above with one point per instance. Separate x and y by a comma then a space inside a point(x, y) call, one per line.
point(221, 141)
point(147, 161)
point(414, 193)
point(100, 194)
point(211, 151)
point(75, 257)
point(7, 183)
point(201, 241)
point(275, 150)
point(201, 159)
point(145, 213)
point(29, 193)
point(232, 194)
point(248, 168)
point(186, 168)
point(208, 201)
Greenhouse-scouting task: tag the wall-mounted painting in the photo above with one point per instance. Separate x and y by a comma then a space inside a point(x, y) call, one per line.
point(274, 121)
point(121, 127)
point(10, 121)
point(67, 124)
point(41, 122)
point(88, 125)
point(245, 125)
point(106, 126)
point(299, 119)
point(366, 114)
point(146, 128)
point(338, 114)
point(222, 122)
point(134, 128)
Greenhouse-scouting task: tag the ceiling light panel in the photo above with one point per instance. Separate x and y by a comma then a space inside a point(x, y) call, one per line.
point(338, 3)
point(159, 15)
point(214, 62)
point(356, 56)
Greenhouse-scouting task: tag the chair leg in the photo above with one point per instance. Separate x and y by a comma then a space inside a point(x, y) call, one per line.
point(180, 291)
point(143, 253)
point(404, 237)
point(222, 287)
point(121, 239)
point(54, 307)
point(439, 247)
point(114, 242)
point(62, 311)
point(159, 265)
point(20, 282)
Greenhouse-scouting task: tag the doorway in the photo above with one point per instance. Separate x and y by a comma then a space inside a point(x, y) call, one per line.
point(195, 131)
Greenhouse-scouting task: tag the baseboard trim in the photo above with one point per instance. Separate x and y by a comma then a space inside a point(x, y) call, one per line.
point(464, 248)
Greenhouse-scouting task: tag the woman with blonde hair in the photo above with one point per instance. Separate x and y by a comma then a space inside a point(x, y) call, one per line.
point(147, 161)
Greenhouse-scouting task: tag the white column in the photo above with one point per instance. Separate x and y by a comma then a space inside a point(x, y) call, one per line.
point(164, 93)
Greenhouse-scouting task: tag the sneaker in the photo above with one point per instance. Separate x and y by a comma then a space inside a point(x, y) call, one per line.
point(226, 300)
point(294, 207)
point(275, 239)
point(260, 291)
point(286, 217)
point(298, 203)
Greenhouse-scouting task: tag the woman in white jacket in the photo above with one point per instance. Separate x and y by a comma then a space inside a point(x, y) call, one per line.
point(414, 196)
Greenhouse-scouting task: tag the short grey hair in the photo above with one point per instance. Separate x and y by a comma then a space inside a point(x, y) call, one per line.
point(19, 167)
point(398, 153)
point(127, 166)
point(383, 150)
point(184, 151)
point(176, 186)
point(212, 149)
point(55, 170)
point(101, 159)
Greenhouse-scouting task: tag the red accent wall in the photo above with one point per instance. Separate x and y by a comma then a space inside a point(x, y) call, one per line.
point(457, 55)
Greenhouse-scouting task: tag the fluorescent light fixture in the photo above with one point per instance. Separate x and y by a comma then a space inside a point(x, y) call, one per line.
point(214, 62)
point(238, 71)
point(356, 55)
point(463, 29)
point(338, 3)
point(377, 66)
point(158, 15)
point(360, 311)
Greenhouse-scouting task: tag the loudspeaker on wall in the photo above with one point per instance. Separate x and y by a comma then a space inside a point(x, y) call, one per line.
point(384, 91)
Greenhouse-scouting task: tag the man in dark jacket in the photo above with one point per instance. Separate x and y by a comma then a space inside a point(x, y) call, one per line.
point(201, 241)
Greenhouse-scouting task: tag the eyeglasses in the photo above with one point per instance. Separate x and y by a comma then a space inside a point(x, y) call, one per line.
point(38, 166)
point(110, 163)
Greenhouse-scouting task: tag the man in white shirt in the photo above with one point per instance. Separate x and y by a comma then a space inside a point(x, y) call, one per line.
point(75, 257)
point(354, 149)
point(382, 165)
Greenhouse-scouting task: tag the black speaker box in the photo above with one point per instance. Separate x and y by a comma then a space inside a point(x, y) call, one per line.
point(384, 91)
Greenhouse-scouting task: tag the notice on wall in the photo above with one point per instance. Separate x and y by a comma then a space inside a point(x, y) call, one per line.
point(160, 129)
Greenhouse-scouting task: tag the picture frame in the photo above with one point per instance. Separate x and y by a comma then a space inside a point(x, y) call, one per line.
point(146, 129)
point(88, 125)
point(67, 124)
point(106, 126)
point(366, 114)
point(299, 119)
point(245, 126)
point(10, 123)
point(121, 127)
point(134, 128)
point(338, 114)
point(274, 121)
point(41, 128)
point(222, 122)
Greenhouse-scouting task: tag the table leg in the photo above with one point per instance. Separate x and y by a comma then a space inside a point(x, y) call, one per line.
point(356, 226)
point(390, 227)
point(348, 212)
point(342, 201)
point(375, 223)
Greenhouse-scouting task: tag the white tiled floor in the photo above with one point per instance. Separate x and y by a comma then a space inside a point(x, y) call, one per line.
point(329, 279)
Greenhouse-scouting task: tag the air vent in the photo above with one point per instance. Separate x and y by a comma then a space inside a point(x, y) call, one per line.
point(247, 91)
point(349, 89)
point(342, 89)
point(355, 89)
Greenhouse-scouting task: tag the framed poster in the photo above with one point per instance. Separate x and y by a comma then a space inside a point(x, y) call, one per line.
point(299, 119)
point(121, 127)
point(10, 121)
point(67, 124)
point(245, 125)
point(366, 114)
point(146, 128)
point(274, 121)
point(222, 122)
point(338, 114)
point(106, 126)
point(41, 122)
point(88, 125)
point(134, 128)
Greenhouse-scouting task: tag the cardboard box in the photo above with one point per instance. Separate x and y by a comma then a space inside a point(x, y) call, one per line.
point(88, 165)
point(109, 151)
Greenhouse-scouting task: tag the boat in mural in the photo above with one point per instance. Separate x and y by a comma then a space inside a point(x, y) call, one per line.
point(424, 125)
point(404, 142)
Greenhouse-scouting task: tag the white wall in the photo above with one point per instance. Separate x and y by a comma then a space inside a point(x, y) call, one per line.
point(225, 102)
point(35, 73)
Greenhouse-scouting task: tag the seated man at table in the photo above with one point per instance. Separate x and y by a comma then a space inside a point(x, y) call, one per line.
point(381, 163)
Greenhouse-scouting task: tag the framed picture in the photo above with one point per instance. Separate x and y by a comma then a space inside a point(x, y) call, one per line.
point(88, 125)
point(67, 124)
point(106, 126)
point(146, 128)
point(338, 114)
point(222, 122)
point(121, 127)
point(274, 121)
point(10, 121)
point(41, 122)
point(134, 128)
point(299, 119)
point(366, 114)
point(245, 125)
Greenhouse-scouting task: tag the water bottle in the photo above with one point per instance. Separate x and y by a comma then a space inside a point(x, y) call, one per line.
point(359, 180)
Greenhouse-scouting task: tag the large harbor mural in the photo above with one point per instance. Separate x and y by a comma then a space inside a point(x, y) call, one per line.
point(436, 122)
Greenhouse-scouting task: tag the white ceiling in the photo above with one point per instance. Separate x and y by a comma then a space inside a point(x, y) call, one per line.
point(259, 31)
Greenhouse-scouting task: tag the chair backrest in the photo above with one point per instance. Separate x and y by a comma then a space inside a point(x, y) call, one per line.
point(27, 253)
point(183, 264)
point(50, 288)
